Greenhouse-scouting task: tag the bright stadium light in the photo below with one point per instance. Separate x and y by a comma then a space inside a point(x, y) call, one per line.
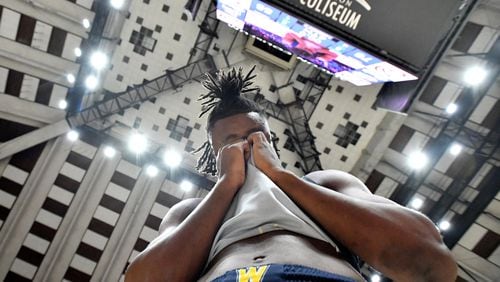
point(91, 82)
point(455, 149)
point(62, 104)
point(375, 278)
point(86, 23)
point(137, 143)
point(72, 135)
point(117, 4)
point(475, 75)
point(70, 77)
point(444, 225)
point(417, 160)
point(451, 108)
point(109, 151)
point(151, 170)
point(98, 60)
point(416, 203)
point(171, 158)
point(78, 52)
point(186, 185)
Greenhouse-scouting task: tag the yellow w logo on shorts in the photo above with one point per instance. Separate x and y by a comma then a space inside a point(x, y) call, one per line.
point(252, 273)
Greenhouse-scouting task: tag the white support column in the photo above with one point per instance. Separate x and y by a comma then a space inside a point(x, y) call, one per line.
point(128, 228)
point(62, 14)
point(33, 138)
point(78, 216)
point(35, 62)
point(30, 200)
point(27, 112)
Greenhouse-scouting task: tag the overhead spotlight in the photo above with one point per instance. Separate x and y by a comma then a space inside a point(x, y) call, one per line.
point(86, 23)
point(137, 143)
point(172, 159)
point(117, 4)
point(416, 203)
point(70, 77)
point(375, 278)
point(475, 75)
point(444, 225)
point(91, 82)
point(151, 170)
point(186, 185)
point(451, 108)
point(98, 60)
point(455, 149)
point(72, 135)
point(62, 104)
point(417, 160)
point(109, 151)
point(78, 52)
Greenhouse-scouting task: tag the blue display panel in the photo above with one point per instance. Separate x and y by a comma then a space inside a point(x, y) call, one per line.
point(309, 43)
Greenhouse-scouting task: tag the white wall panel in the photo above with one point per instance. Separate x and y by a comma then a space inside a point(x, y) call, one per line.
point(72, 172)
point(448, 95)
point(483, 109)
point(85, 3)
point(58, 93)
point(72, 41)
point(29, 87)
point(23, 268)
point(3, 79)
point(472, 236)
point(41, 36)
point(36, 243)
point(15, 174)
point(61, 195)
point(6, 199)
point(95, 239)
point(9, 23)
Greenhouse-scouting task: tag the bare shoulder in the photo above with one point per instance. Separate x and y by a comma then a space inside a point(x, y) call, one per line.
point(345, 183)
point(336, 178)
point(178, 213)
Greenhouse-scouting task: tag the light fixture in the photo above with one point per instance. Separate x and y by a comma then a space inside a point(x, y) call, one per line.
point(72, 135)
point(416, 203)
point(151, 170)
point(375, 278)
point(117, 4)
point(62, 104)
point(109, 151)
point(91, 82)
point(137, 143)
point(70, 77)
point(475, 75)
point(455, 149)
point(417, 160)
point(171, 158)
point(451, 108)
point(86, 23)
point(444, 225)
point(186, 185)
point(98, 60)
point(78, 52)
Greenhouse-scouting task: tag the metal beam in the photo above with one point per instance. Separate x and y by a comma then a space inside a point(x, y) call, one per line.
point(115, 103)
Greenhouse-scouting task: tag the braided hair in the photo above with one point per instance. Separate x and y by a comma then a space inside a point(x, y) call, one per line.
point(224, 99)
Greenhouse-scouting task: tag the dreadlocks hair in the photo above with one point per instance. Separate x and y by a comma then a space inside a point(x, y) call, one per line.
point(224, 99)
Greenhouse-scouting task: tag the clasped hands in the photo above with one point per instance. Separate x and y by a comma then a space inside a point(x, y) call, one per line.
point(232, 158)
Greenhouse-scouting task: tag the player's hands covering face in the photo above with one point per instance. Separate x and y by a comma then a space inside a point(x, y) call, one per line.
point(231, 163)
point(264, 155)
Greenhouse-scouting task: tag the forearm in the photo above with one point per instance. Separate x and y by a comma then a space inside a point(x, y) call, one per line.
point(395, 240)
point(180, 254)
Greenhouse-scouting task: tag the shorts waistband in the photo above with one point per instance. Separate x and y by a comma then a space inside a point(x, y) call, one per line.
point(280, 272)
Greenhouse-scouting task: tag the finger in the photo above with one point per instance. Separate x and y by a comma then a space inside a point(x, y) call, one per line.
point(257, 137)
